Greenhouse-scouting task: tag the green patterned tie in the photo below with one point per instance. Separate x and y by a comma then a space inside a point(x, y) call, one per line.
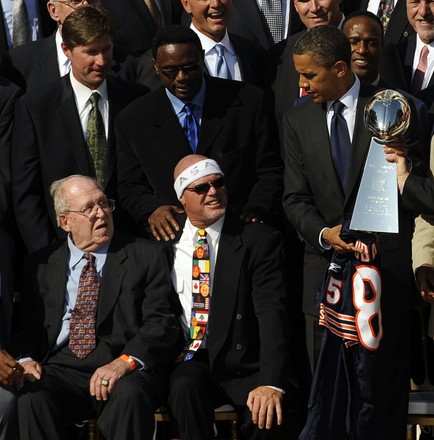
point(95, 138)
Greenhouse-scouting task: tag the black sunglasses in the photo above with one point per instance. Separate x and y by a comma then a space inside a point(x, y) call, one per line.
point(203, 188)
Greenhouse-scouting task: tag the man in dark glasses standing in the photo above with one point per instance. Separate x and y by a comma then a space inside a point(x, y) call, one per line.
point(228, 278)
point(192, 113)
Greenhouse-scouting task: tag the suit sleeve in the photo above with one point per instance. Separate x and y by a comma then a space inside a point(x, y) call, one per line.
point(155, 342)
point(298, 199)
point(27, 187)
point(270, 304)
point(266, 194)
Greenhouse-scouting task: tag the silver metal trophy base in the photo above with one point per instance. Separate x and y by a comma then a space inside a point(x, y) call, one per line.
point(376, 208)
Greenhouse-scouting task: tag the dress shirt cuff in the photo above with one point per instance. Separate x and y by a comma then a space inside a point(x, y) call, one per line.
point(322, 243)
point(140, 365)
point(24, 359)
point(276, 388)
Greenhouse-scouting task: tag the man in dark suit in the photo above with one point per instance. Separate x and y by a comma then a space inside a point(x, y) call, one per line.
point(10, 370)
point(50, 139)
point(318, 211)
point(247, 325)
point(137, 26)
point(245, 61)
point(95, 332)
point(43, 60)
point(248, 22)
point(229, 122)
point(40, 24)
point(283, 76)
point(400, 62)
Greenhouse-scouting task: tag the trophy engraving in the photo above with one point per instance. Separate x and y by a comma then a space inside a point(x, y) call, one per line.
point(387, 116)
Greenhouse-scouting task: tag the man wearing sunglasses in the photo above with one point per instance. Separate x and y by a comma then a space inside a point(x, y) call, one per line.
point(94, 333)
point(242, 354)
point(194, 113)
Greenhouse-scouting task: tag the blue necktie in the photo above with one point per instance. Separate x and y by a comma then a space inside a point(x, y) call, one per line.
point(190, 126)
point(340, 142)
point(222, 70)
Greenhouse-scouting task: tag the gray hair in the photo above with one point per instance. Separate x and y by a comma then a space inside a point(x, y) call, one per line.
point(58, 193)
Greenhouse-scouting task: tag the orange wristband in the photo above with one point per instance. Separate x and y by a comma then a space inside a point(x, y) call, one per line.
point(130, 360)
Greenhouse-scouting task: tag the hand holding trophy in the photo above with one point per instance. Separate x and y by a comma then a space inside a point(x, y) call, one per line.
point(387, 116)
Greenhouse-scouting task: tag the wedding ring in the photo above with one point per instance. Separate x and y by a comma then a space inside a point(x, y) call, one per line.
point(104, 382)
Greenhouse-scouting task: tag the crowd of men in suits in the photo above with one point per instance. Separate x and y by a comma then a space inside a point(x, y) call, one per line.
point(136, 134)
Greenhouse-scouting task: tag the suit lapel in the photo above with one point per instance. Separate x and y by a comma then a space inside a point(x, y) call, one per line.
point(56, 271)
point(71, 126)
point(225, 287)
point(408, 59)
point(114, 109)
point(212, 115)
point(361, 142)
point(114, 272)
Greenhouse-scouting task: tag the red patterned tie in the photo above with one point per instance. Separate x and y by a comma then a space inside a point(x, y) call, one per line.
point(83, 318)
point(200, 295)
point(419, 74)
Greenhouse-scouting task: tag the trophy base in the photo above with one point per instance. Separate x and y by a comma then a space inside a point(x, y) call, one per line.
point(376, 207)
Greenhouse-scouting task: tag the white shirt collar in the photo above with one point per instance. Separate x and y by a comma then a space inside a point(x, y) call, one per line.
point(82, 93)
point(214, 230)
point(62, 59)
point(350, 97)
point(208, 44)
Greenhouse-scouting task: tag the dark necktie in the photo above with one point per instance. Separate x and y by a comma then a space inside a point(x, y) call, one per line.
point(96, 139)
point(190, 126)
point(222, 70)
point(419, 74)
point(155, 13)
point(271, 12)
point(82, 339)
point(385, 10)
point(340, 142)
point(20, 24)
point(200, 289)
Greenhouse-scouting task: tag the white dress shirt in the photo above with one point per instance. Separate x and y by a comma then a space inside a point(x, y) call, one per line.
point(82, 95)
point(208, 46)
point(62, 60)
point(373, 5)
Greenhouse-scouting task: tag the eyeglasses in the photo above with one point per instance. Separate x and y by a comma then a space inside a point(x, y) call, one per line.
point(90, 210)
point(76, 3)
point(172, 72)
point(203, 188)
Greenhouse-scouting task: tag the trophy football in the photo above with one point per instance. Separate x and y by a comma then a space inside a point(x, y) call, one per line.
point(387, 116)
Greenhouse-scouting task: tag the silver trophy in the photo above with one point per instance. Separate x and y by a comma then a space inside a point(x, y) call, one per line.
point(387, 115)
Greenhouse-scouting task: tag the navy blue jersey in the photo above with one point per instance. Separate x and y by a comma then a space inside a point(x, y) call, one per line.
point(341, 400)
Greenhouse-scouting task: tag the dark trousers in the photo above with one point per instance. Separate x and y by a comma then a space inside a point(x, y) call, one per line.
point(62, 397)
point(193, 396)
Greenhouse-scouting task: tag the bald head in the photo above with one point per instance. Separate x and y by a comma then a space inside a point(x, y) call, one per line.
point(186, 162)
point(200, 186)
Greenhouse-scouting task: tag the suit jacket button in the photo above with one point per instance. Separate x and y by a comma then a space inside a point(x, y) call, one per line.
point(239, 317)
point(239, 347)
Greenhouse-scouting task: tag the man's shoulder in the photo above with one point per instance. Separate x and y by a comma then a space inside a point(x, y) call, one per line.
point(222, 91)
point(147, 103)
point(38, 97)
point(26, 53)
point(123, 90)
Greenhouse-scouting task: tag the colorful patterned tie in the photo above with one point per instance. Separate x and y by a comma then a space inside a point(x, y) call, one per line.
point(82, 339)
point(222, 69)
point(419, 74)
point(20, 24)
point(271, 13)
point(96, 139)
point(385, 10)
point(200, 295)
point(190, 126)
